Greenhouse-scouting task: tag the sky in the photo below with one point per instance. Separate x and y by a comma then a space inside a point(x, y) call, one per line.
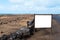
point(29, 6)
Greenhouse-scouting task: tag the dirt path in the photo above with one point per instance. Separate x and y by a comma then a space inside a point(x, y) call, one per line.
point(56, 28)
point(40, 35)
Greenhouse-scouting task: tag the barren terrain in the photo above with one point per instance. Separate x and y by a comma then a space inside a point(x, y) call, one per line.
point(11, 23)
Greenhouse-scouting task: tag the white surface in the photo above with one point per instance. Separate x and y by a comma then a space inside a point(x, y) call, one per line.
point(43, 21)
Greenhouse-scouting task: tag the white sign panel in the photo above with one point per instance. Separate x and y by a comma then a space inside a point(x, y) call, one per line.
point(43, 21)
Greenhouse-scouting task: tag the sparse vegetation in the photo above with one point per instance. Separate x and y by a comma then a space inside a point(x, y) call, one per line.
point(11, 23)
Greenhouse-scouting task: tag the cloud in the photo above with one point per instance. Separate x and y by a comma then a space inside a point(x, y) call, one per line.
point(13, 7)
point(16, 1)
point(53, 3)
point(9, 7)
point(1, 7)
point(32, 6)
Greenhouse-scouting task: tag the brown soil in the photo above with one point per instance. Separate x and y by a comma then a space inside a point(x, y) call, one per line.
point(11, 23)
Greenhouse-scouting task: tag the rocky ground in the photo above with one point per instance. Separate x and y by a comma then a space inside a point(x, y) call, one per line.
point(11, 23)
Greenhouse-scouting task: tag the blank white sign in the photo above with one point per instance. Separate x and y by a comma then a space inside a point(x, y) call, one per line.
point(43, 21)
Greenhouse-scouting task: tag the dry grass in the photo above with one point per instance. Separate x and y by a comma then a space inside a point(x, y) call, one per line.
point(12, 23)
point(9, 24)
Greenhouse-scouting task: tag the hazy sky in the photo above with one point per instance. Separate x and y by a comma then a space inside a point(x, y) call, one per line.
point(30, 6)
